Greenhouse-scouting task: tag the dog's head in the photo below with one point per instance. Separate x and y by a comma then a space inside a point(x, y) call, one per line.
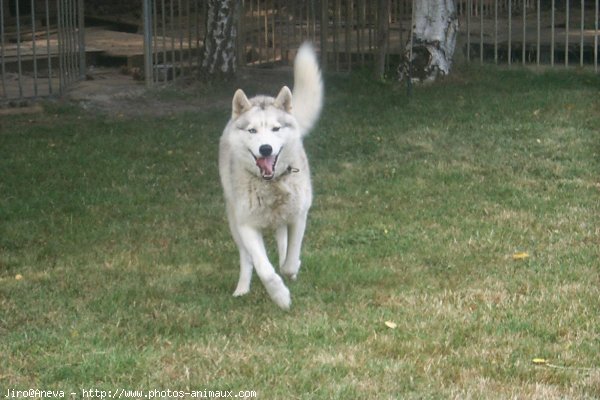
point(264, 127)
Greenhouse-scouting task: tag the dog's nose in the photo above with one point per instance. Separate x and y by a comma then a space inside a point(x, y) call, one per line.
point(265, 150)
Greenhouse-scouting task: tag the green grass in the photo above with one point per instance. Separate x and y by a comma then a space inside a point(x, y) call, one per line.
point(117, 228)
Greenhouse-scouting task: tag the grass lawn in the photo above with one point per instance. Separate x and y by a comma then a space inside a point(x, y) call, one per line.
point(117, 266)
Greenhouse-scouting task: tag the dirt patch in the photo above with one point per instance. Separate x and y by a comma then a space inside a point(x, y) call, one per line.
point(110, 91)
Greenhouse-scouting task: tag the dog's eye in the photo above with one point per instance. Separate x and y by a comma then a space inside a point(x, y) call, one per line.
point(252, 130)
point(276, 129)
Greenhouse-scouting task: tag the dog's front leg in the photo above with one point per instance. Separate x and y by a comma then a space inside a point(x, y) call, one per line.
point(243, 285)
point(295, 234)
point(253, 242)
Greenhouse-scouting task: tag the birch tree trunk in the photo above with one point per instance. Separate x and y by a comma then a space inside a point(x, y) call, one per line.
point(430, 49)
point(219, 56)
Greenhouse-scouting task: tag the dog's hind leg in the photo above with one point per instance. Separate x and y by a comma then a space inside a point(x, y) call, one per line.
point(292, 260)
point(254, 244)
point(281, 237)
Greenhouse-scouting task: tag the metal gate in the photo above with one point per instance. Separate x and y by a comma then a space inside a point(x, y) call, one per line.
point(42, 48)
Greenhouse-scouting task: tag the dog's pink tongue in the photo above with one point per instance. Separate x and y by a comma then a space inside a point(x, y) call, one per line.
point(266, 165)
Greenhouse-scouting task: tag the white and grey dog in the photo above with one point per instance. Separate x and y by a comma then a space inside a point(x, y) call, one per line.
point(265, 175)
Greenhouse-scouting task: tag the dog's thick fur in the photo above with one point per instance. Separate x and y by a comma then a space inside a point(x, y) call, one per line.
point(265, 175)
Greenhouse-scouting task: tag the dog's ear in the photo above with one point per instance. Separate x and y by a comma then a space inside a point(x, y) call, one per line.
point(284, 100)
point(240, 104)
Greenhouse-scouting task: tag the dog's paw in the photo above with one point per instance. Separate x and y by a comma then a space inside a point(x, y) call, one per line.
point(291, 277)
point(282, 299)
point(240, 293)
point(291, 271)
point(241, 290)
point(278, 292)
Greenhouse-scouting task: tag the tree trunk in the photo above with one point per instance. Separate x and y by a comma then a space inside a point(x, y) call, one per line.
point(430, 49)
point(219, 57)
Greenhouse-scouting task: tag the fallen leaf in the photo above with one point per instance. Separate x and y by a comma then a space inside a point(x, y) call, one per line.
point(540, 361)
point(520, 256)
point(391, 325)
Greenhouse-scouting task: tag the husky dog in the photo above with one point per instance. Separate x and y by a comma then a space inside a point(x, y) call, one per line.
point(265, 175)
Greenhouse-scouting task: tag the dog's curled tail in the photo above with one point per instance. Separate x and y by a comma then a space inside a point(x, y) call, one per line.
point(307, 97)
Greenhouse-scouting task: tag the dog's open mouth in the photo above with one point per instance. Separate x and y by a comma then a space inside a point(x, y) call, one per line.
point(267, 166)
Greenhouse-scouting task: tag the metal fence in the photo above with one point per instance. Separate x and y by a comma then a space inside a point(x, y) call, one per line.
point(173, 36)
point(551, 32)
point(356, 32)
point(41, 47)
point(269, 32)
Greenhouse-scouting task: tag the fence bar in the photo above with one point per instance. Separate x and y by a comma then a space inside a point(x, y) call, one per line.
point(68, 49)
point(259, 34)
point(553, 10)
point(581, 33)
point(33, 49)
point(273, 38)
point(539, 33)
point(296, 9)
point(3, 62)
point(72, 40)
point(287, 29)
point(362, 11)
point(347, 34)
point(336, 23)
point(481, 32)
point(19, 66)
point(189, 32)
point(49, 54)
point(165, 71)
point(147, 7)
point(66, 46)
point(171, 33)
point(196, 8)
point(69, 24)
point(495, 31)
point(509, 32)
point(308, 10)
point(76, 47)
point(60, 47)
point(67, 33)
point(370, 23)
point(180, 28)
point(81, 23)
point(314, 14)
point(281, 33)
point(596, 37)
point(154, 38)
point(324, 30)
point(469, 5)
point(523, 50)
point(566, 33)
point(70, 45)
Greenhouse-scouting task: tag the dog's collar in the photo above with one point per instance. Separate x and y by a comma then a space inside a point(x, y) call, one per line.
point(290, 170)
